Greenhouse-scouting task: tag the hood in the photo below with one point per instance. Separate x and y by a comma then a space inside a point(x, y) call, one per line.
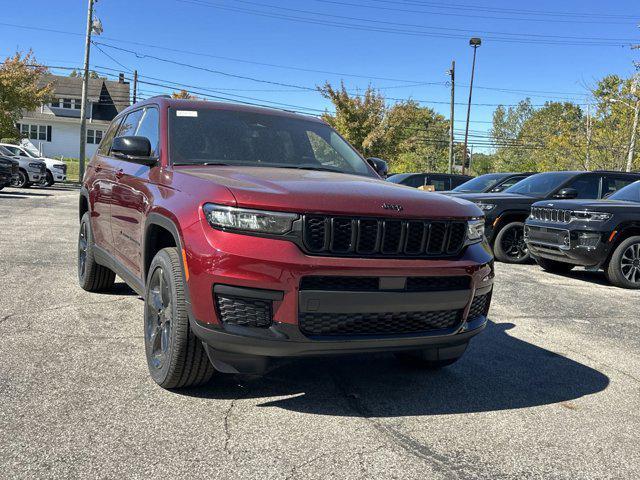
point(495, 197)
point(590, 204)
point(307, 191)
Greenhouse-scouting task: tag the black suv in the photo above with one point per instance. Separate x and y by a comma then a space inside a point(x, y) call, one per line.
point(601, 234)
point(490, 183)
point(506, 212)
point(8, 169)
point(439, 181)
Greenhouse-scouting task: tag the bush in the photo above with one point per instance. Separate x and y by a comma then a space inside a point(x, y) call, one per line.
point(11, 140)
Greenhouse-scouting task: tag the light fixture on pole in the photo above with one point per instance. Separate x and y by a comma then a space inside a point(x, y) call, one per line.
point(475, 42)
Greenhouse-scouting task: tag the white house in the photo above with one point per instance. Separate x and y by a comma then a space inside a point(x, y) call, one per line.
point(54, 129)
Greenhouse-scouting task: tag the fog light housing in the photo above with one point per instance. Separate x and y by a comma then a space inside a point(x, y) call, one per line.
point(588, 240)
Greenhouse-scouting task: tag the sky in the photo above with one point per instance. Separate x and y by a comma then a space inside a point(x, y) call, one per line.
point(275, 53)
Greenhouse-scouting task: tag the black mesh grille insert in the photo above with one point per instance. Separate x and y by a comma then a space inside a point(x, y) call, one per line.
point(382, 237)
point(479, 306)
point(371, 284)
point(377, 323)
point(248, 312)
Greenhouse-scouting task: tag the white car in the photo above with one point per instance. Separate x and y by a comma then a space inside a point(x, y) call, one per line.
point(56, 170)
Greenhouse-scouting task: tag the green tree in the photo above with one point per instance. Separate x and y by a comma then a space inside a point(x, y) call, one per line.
point(182, 94)
point(20, 90)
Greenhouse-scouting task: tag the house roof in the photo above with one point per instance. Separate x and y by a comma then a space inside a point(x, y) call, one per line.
point(72, 87)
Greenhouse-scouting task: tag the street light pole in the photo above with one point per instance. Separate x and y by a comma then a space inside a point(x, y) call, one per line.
point(85, 88)
point(475, 43)
point(452, 72)
point(634, 127)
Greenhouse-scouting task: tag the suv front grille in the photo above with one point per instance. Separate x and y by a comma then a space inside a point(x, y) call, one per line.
point(479, 306)
point(371, 284)
point(377, 323)
point(382, 237)
point(551, 215)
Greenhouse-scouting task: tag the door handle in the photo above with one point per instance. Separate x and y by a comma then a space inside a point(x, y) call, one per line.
point(119, 173)
point(98, 168)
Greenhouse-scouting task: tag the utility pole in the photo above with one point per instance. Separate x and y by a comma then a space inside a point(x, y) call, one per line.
point(588, 159)
point(135, 85)
point(634, 127)
point(452, 73)
point(85, 88)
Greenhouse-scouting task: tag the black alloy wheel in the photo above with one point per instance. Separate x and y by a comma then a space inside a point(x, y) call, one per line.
point(21, 180)
point(158, 319)
point(510, 246)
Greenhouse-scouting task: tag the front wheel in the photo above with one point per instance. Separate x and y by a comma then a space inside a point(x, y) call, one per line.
point(624, 267)
point(509, 246)
point(21, 180)
point(175, 356)
point(554, 266)
point(49, 180)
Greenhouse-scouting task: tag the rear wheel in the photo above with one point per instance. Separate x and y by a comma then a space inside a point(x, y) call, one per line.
point(509, 246)
point(21, 180)
point(554, 266)
point(175, 356)
point(624, 267)
point(91, 276)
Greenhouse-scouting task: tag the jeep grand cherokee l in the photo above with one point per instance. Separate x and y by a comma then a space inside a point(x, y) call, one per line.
point(600, 234)
point(254, 234)
point(506, 212)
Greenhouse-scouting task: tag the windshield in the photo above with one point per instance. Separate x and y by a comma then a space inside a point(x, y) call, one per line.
point(480, 184)
point(541, 184)
point(5, 151)
point(630, 193)
point(206, 136)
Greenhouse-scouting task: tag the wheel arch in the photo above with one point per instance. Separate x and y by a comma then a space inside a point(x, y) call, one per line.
point(624, 231)
point(160, 232)
point(507, 217)
point(83, 203)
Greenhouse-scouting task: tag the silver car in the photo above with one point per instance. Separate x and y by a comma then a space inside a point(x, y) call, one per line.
point(30, 170)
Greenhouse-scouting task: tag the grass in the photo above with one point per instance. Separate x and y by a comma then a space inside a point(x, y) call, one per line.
point(73, 167)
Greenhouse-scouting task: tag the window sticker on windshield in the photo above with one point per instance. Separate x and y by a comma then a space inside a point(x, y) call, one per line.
point(186, 113)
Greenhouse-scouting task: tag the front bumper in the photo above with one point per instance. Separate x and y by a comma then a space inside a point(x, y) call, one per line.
point(273, 270)
point(35, 176)
point(582, 247)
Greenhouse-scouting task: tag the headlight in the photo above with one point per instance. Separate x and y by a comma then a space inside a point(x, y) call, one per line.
point(486, 207)
point(591, 216)
point(34, 165)
point(475, 230)
point(259, 221)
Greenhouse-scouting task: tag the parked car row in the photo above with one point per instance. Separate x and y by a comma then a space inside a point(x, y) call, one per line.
point(33, 169)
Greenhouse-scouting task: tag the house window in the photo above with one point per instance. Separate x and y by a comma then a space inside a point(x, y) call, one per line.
point(66, 103)
point(94, 136)
point(77, 103)
point(34, 132)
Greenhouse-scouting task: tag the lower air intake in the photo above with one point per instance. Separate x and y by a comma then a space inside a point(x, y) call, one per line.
point(246, 312)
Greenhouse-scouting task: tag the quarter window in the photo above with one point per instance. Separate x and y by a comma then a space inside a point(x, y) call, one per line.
point(105, 145)
point(148, 127)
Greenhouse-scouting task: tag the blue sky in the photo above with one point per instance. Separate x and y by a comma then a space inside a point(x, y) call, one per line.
point(388, 43)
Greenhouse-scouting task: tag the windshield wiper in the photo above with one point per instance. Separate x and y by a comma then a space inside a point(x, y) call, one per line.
point(203, 163)
point(310, 167)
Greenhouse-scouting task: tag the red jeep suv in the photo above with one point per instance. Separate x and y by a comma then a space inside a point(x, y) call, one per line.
point(254, 234)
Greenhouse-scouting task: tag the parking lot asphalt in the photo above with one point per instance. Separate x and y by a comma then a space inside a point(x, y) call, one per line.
point(550, 390)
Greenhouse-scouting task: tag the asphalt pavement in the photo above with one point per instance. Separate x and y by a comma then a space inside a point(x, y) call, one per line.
point(550, 390)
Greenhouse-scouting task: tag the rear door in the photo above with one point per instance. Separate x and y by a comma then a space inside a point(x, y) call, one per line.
point(131, 193)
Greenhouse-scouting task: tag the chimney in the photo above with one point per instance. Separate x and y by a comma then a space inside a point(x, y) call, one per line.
point(121, 78)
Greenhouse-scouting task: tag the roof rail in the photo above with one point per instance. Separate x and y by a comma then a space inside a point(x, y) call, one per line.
point(159, 96)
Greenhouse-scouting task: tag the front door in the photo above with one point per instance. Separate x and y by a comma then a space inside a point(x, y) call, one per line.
point(131, 192)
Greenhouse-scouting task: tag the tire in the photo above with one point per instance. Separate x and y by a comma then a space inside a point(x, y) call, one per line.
point(91, 276)
point(554, 266)
point(428, 359)
point(624, 266)
point(509, 245)
point(21, 180)
point(49, 179)
point(175, 356)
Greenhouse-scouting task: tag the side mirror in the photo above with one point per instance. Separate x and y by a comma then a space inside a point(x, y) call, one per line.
point(566, 193)
point(133, 149)
point(380, 166)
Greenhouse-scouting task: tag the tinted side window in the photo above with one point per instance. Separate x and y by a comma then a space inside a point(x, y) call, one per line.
point(439, 183)
point(613, 183)
point(105, 145)
point(148, 127)
point(588, 186)
point(512, 181)
point(129, 124)
point(414, 181)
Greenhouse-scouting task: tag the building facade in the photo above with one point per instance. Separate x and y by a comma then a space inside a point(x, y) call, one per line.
point(54, 129)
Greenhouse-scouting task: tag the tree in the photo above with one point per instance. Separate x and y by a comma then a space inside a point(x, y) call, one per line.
point(182, 94)
point(20, 90)
point(92, 74)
